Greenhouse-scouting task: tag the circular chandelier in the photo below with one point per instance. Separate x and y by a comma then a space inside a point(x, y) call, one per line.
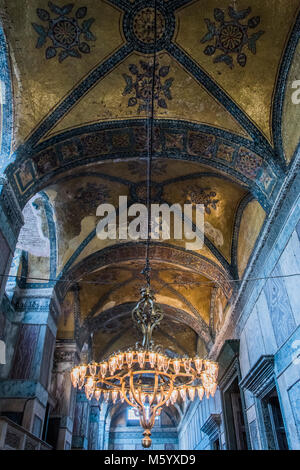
point(144, 377)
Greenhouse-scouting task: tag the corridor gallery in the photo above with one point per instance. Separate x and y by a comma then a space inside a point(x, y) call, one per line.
point(149, 225)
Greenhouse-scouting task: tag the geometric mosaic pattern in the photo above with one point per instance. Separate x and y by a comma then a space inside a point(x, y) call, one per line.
point(175, 140)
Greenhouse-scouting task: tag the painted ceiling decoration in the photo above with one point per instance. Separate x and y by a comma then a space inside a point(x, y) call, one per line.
point(140, 84)
point(231, 36)
point(64, 32)
point(76, 88)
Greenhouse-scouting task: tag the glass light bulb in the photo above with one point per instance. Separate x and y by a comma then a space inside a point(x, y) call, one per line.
point(213, 389)
point(103, 369)
point(82, 371)
point(183, 393)
point(166, 364)
point(81, 383)
point(214, 369)
point(90, 382)
point(174, 396)
point(200, 391)
point(207, 380)
point(112, 365)
point(152, 359)
point(120, 360)
point(89, 389)
point(106, 396)
point(176, 365)
point(114, 395)
point(198, 364)
point(141, 358)
point(211, 368)
point(204, 377)
point(97, 394)
point(160, 361)
point(93, 369)
point(75, 374)
point(187, 365)
point(191, 392)
point(129, 358)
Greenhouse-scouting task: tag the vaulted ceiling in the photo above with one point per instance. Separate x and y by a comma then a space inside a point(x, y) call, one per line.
point(224, 136)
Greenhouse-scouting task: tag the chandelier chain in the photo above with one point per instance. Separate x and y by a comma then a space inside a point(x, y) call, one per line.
point(150, 138)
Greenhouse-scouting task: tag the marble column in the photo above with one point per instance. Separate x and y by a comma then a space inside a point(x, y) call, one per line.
point(106, 432)
point(66, 355)
point(94, 435)
point(26, 374)
point(81, 422)
point(102, 420)
point(11, 221)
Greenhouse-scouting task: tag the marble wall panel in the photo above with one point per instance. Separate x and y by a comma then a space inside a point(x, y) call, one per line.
point(279, 306)
point(24, 352)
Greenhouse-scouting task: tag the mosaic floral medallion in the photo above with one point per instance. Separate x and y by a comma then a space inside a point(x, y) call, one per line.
point(68, 34)
point(248, 163)
point(231, 37)
point(144, 25)
point(139, 25)
point(140, 85)
point(198, 195)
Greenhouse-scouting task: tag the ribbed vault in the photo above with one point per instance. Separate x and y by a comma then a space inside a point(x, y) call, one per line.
point(80, 117)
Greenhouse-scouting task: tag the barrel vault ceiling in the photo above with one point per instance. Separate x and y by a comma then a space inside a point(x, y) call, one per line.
point(80, 79)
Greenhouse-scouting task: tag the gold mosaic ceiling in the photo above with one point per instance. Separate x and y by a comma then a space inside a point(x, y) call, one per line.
point(81, 79)
point(40, 84)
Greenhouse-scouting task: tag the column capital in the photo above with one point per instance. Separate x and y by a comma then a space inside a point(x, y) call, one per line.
point(66, 352)
point(32, 299)
point(37, 306)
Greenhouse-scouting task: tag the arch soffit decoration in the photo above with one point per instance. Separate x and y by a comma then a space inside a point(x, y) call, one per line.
point(67, 148)
point(136, 251)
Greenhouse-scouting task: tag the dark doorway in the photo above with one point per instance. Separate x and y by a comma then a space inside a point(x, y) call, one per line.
point(235, 423)
point(273, 422)
point(46, 422)
point(52, 432)
point(216, 444)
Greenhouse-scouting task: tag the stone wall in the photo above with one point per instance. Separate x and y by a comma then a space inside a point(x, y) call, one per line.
point(191, 436)
point(268, 332)
point(273, 328)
